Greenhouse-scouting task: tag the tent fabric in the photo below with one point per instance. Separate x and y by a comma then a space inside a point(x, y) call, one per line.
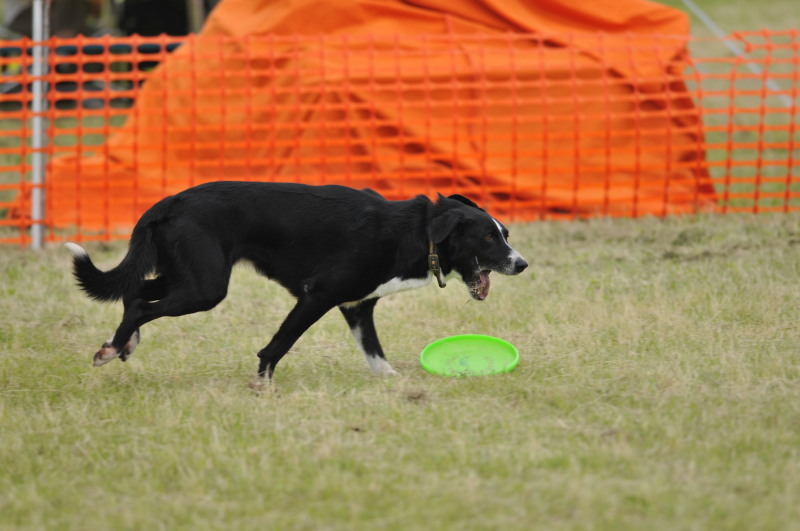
point(578, 158)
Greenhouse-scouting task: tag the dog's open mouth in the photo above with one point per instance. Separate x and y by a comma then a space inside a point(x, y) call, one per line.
point(479, 288)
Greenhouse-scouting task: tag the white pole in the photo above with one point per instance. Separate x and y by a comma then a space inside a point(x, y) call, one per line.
point(38, 107)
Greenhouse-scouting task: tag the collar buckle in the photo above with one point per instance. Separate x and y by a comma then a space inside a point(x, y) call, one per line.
point(434, 266)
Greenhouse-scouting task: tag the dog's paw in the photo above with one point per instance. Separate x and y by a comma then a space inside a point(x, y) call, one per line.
point(130, 346)
point(380, 366)
point(260, 385)
point(105, 354)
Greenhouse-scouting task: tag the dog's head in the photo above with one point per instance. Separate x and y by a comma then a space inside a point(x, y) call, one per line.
point(474, 244)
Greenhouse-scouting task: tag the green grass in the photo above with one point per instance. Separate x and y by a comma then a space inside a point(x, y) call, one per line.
point(658, 388)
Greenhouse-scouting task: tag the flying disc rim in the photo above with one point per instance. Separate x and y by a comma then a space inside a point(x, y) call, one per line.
point(469, 355)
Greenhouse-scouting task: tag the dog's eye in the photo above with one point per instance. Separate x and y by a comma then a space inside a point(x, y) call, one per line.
point(489, 237)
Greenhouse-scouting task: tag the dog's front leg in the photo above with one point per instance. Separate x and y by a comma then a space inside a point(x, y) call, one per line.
point(362, 325)
point(306, 312)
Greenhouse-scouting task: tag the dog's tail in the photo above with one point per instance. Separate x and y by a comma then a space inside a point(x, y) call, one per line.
point(125, 279)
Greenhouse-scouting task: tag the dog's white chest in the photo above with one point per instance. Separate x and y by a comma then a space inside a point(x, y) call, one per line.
point(393, 286)
point(399, 284)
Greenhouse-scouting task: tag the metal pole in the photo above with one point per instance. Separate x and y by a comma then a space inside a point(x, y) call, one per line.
point(38, 107)
point(195, 14)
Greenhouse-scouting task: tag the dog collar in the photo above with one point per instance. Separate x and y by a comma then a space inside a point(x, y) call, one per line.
point(433, 264)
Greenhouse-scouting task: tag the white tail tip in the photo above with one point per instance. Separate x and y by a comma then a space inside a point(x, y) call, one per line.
point(76, 250)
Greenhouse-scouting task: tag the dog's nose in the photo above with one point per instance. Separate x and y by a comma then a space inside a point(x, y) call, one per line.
point(519, 266)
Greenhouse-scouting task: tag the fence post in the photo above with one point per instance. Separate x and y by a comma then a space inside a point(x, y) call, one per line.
point(38, 107)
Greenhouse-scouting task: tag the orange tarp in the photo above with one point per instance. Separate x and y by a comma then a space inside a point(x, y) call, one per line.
point(372, 93)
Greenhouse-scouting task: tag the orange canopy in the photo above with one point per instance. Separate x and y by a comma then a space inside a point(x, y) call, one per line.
point(590, 117)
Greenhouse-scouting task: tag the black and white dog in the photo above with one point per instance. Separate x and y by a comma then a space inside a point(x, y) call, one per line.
point(328, 245)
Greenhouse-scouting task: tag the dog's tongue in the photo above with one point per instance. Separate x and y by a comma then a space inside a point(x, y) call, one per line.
point(483, 289)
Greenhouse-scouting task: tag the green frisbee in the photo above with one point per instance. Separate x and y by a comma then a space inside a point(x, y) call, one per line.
point(469, 355)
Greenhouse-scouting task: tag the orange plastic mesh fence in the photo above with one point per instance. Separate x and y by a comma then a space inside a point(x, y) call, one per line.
point(530, 126)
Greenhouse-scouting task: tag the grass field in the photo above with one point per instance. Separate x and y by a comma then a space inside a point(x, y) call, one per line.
point(659, 388)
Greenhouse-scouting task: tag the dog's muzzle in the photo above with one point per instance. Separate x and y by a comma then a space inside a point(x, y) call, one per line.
point(518, 266)
point(513, 266)
point(478, 287)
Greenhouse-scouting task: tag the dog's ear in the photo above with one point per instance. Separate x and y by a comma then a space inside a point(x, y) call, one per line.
point(461, 199)
point(446, 223)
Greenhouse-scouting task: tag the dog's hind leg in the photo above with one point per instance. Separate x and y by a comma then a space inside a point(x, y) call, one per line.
point(141, 312)
point(152, 290)
point(107, 352)
point(194, 285)
point(305, 313)
point(362, 325)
